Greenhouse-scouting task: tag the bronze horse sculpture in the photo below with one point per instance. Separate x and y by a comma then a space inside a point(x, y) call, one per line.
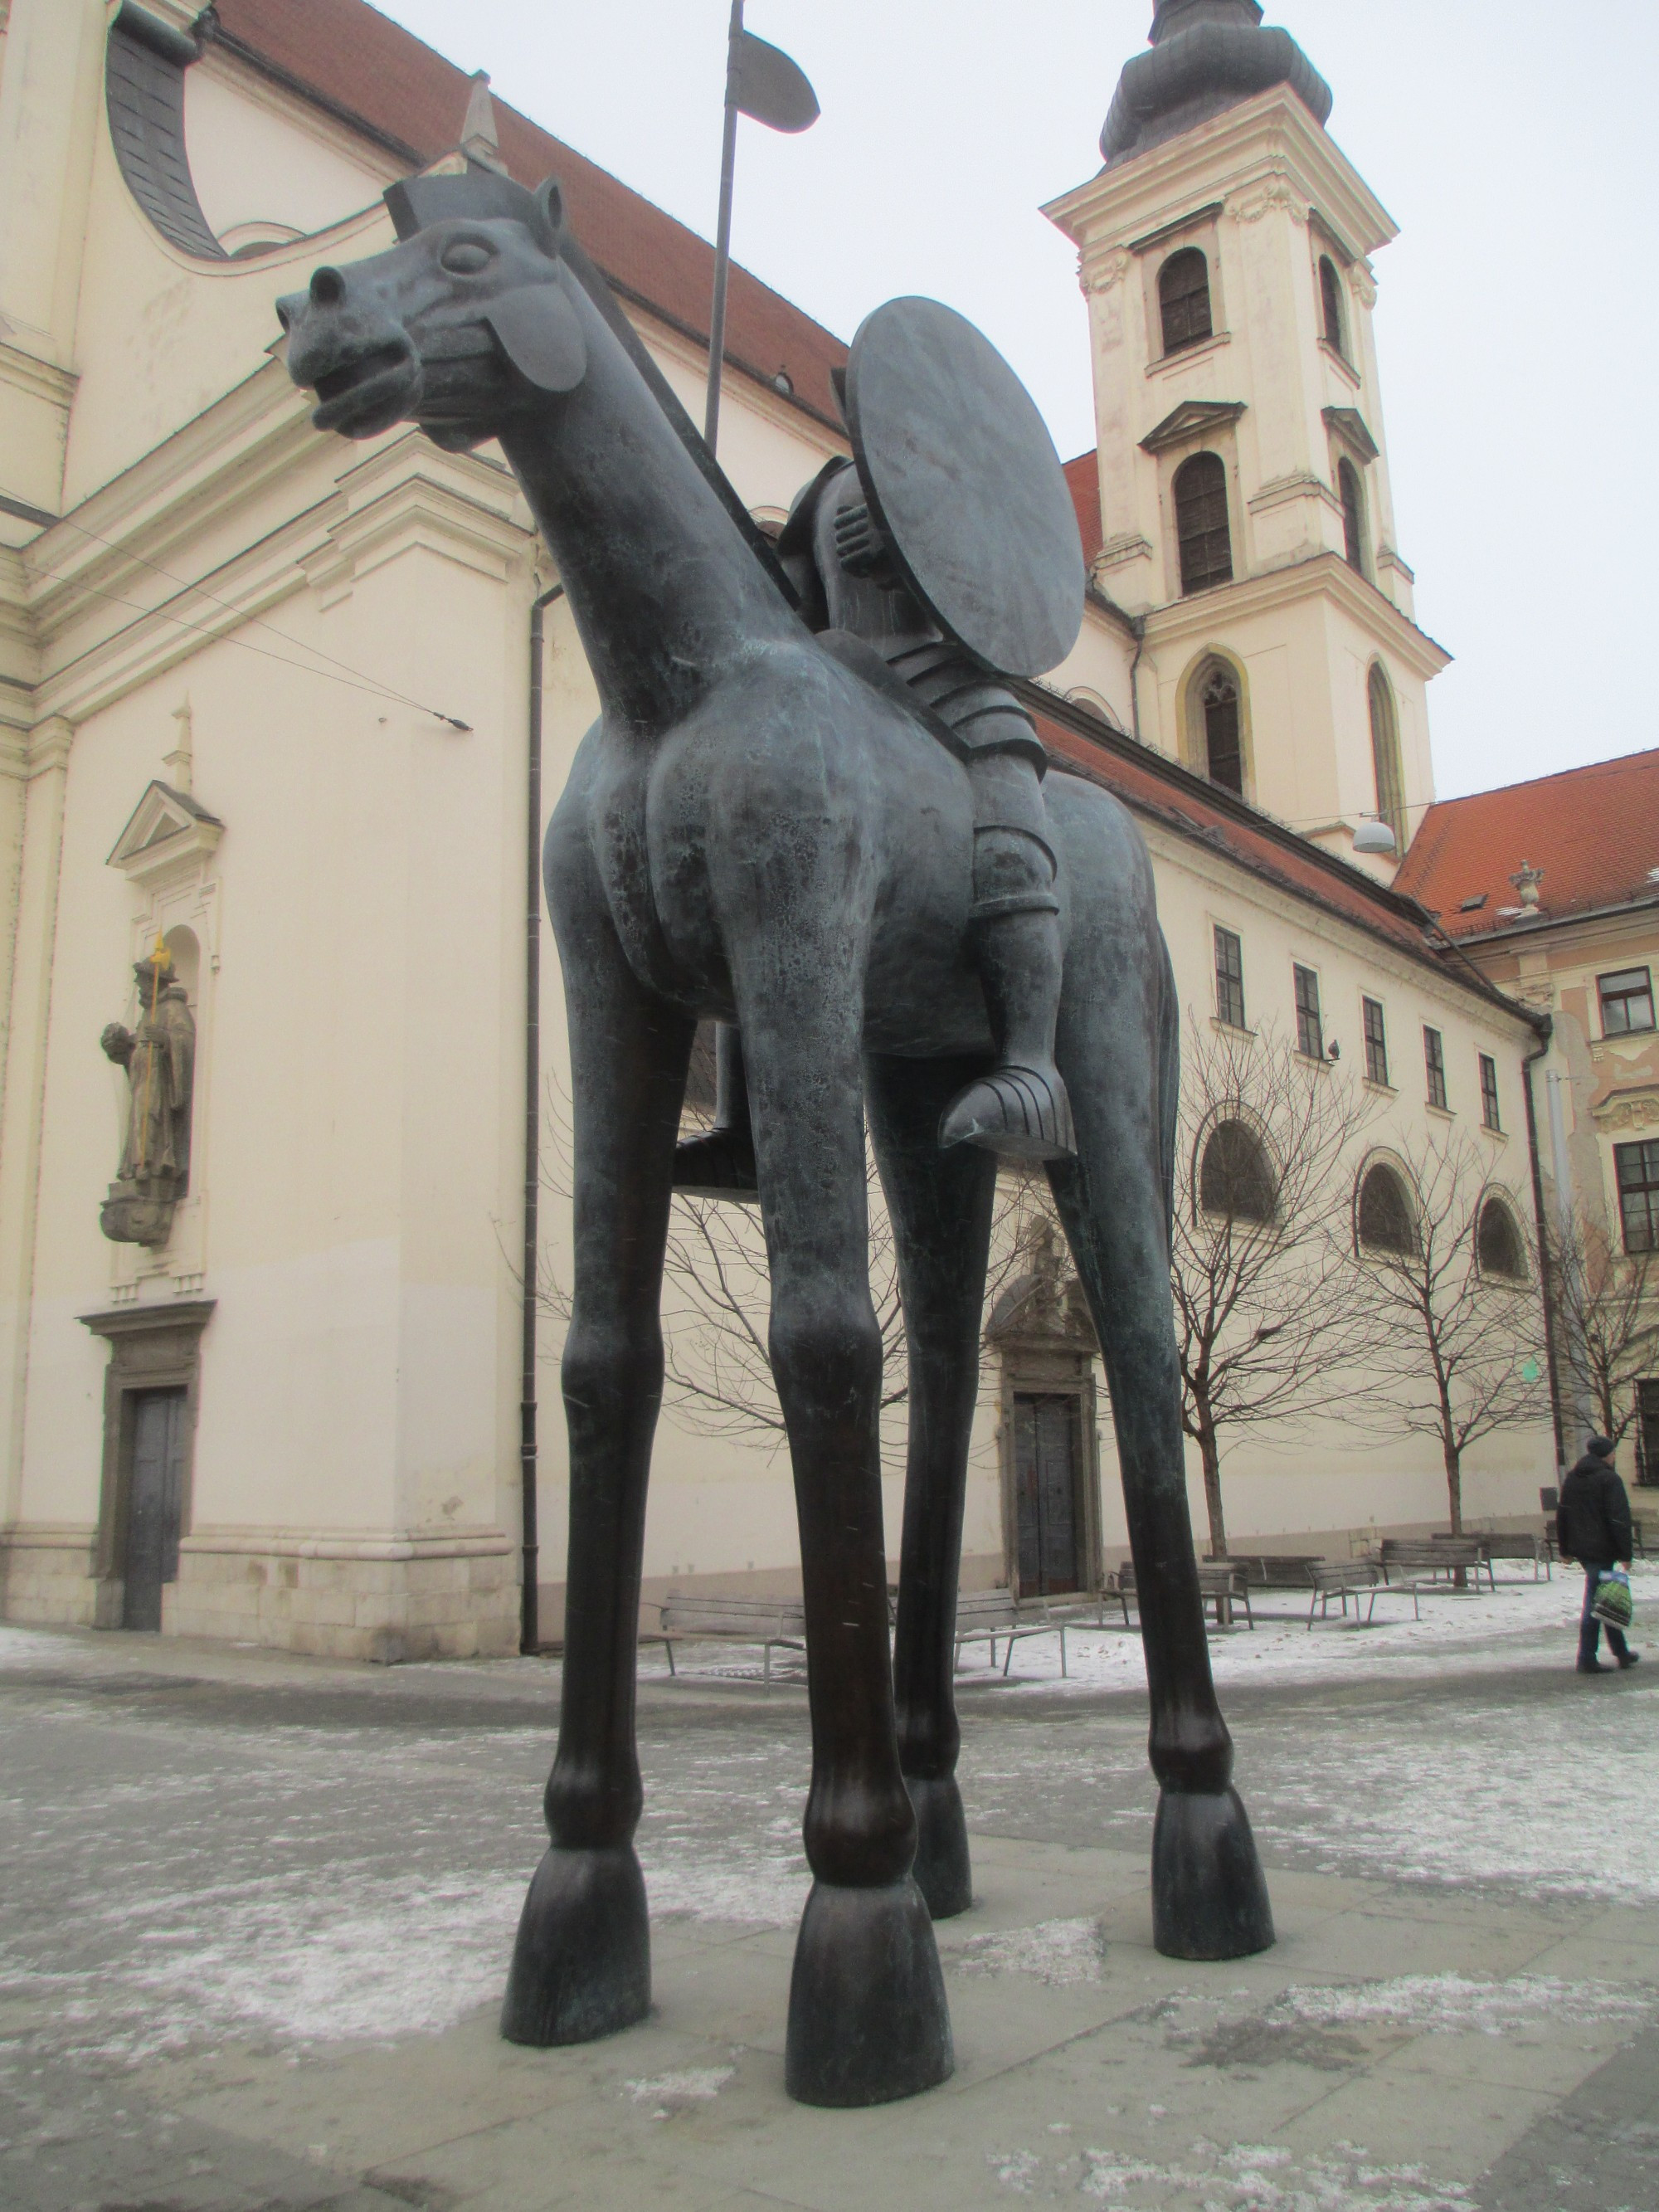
point(754, 831)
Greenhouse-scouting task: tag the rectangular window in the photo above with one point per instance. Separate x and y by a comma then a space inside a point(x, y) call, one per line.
point(1309, 1028)
point(1376, 1041)
point(1638, 1168)
point(1627, 1001)
point(1489, 1091)
point(1230, 979)
point(1434, 1060)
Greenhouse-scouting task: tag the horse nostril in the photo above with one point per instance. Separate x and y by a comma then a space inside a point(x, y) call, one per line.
point(327, 287)
point(284, 315)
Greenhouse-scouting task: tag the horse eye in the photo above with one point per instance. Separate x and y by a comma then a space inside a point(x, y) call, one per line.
point(466, 257)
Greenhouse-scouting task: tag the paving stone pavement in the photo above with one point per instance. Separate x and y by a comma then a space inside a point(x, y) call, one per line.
point(255, 1915)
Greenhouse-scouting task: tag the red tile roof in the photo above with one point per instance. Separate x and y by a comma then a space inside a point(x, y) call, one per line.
point(1083, 481)
point(1594, 832)
point(355, 59)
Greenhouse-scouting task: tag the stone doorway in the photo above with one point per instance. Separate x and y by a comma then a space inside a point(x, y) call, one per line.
point(155, 1500)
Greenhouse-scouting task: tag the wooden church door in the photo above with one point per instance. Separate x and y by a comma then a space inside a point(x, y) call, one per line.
point(154, 1503)
point(1048, 1488)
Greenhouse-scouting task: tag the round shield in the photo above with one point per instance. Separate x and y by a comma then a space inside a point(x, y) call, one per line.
point(961, 473)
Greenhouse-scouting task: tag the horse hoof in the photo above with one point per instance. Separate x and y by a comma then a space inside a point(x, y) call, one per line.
point(1019, 1113)
point(718, 1165)
point(581, 1966)
point(867, 2017)
point(1209, 1894)
point(943, 1871)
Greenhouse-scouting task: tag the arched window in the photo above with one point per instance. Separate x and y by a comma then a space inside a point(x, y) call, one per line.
point(1236, 1177)
point(1330, 302)
point(1386, 1223)
point(1183, 299)
point(1353, 514)
point(1224, 752)
point(1498, 1246)
point(1201, 532)
point(1385, 757)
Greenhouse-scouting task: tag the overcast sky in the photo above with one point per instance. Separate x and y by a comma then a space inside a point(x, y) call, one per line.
point(1513, 141)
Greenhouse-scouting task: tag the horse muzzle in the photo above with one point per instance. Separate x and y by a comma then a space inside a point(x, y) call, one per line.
point(360, 362)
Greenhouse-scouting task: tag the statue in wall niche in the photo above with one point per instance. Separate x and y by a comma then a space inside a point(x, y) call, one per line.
point(815, 811)
point(160, 1058)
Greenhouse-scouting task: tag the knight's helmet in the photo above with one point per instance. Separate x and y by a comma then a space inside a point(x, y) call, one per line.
point(1207, 56)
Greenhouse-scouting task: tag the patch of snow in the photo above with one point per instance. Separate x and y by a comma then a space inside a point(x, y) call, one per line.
point(1450, 2004)
point(1060, 1953)
point(694, 2085)
point(1267, 2177)
point(1015, 2169)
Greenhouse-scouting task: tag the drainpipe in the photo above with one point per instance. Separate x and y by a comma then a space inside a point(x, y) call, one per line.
point(530, 1549)
point(1134, 676)
point(1545, 1271)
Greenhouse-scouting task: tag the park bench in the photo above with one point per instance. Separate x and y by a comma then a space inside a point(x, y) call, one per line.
point(1518, 1545)
point(1407, 1557)
point(1269, 1570)
point(1221, 1583)
point(771, 1622)
point(1355, 1579)
point(998, 1616)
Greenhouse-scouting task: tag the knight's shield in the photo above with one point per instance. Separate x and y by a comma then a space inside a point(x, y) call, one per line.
point(961, 473)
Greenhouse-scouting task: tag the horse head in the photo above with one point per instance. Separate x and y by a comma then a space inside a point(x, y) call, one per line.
point(467, 323)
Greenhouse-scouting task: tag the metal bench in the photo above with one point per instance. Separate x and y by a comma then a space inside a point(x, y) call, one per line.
point(1221, 1583)
point(772, 1622)
point(1518, 1545)
point(1355, 1579)
point(1410, 1557)
point(998, 1616)
point(1270, 1570)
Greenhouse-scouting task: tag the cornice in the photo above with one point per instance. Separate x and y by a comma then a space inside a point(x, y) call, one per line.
point(1327, 575)
point(36, 379)
point(1273, 134)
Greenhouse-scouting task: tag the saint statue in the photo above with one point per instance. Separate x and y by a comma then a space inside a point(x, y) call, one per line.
point(159, 1057)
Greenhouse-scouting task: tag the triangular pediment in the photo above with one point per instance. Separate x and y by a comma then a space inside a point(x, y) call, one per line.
point(164, 826)
point(1194, 418)
point(1348, 422)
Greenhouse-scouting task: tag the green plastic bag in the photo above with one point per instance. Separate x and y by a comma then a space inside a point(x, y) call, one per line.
point(1612, 1603)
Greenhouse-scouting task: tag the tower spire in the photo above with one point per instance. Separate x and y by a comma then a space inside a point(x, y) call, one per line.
point(1207, 56)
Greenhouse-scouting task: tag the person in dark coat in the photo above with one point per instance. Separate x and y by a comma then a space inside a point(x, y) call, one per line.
point(1592, 1526)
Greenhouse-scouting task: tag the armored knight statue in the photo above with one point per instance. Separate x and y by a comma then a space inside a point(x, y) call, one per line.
point(919, 571)
point(159, 1057)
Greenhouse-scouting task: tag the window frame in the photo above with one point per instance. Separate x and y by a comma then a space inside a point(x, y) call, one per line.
point(1376, 1044)
point(1434, 1066)
point(1348, 479)
point(1333, 306)
point(1227, 980)
point(1412, 1248)
point(1647, 1188)
point(1604, 999)
point(1186, 253)
point(1211, 579)
point(1513, 1278)
point(1259, 1169)
point(1308, 1013)
point(1491, 1105)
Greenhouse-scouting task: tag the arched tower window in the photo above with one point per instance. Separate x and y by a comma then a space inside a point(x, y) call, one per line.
point(1385, 757)
point(1201, 529)
point(1498, 1245)
point(1223, 747)
point(1386, 1223)
point(1183, 299)
point(1330, 304)
point(1353, 514)
point(1235, 1178)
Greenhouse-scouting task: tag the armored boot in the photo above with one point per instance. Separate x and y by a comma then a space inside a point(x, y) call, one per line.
point(721, 1162)
point(1019, 1108)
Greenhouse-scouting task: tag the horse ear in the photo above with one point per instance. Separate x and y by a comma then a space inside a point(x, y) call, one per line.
point(549, 201)
point(540, 335)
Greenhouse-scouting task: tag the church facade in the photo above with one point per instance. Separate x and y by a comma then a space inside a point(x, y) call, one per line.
point(268, 707)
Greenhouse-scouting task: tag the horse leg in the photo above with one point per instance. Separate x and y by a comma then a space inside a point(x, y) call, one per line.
point(867, 2016)
point(581, 1966)
point(940, 1203)
point(1119, 1053)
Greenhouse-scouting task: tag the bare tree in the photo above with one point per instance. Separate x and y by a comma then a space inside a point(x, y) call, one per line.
point(1266, 1317)
point(1606, 1315)
point(1455, 1325)
point(716, 1296)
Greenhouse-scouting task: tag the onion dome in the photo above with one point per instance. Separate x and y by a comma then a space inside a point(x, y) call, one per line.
point(1207, 56)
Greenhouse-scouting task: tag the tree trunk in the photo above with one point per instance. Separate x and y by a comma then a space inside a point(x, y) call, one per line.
point(1454, 1486)
point(1210, 1453)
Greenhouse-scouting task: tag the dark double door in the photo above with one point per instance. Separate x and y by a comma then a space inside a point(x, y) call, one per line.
point(1048, 1493)
point(156, 1499)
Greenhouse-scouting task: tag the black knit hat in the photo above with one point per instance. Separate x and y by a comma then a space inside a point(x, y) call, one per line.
point(1601, 1446)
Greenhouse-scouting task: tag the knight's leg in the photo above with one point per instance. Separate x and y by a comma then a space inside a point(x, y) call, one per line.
point(940, 1203)
point(1118, 1044)
point(1019, 1108)
point(581, 1966)
point(720, 1163)
point(867, 2016)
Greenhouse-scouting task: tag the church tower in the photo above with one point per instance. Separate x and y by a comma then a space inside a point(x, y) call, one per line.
point(1245, 504)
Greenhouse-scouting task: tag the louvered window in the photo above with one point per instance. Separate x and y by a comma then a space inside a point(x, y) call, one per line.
point(1200, 504)
point(1223, 756)
point(1353, 514)
point(1330, 302)
point(1183, 299)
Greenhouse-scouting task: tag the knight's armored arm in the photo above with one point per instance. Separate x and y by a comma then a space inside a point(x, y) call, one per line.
point(118, 1042)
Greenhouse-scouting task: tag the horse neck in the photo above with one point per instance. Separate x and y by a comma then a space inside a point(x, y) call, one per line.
point(665, 594)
